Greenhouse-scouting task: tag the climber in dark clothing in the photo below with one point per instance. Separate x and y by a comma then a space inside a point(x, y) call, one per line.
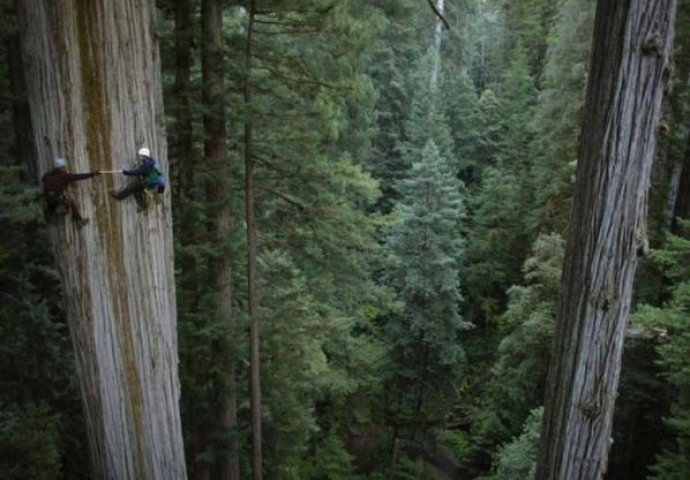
point(55, 183)
point(149, 178)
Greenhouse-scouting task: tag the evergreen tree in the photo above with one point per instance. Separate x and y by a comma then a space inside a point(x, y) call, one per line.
point(517, 460)
point(427, 118)
point(528, 23)
point(499, 238)
point(317, 246)
point(424, 338)
point(518, 375)
point(394, 53)
point(674, 349)
point(491, 128)
point(461, 105)
point(559, 114)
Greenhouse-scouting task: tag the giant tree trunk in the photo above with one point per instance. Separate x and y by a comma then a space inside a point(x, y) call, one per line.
point(632, 44)
point(93, 82)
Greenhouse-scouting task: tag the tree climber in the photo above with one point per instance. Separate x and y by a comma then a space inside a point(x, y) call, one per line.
point(55, 183)
point(149, 179)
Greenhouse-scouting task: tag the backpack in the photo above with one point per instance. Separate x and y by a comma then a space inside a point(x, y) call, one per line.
point(154, 178)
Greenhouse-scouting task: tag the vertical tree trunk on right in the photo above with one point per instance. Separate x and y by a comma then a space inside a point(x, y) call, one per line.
point(632, 43)
point(682, 203)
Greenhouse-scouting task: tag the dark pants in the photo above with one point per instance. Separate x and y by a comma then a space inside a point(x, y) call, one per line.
point(136, 188)
point(58, 203)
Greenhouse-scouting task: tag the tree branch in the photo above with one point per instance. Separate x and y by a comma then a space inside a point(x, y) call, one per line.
point(301, 206)
point(439, 14)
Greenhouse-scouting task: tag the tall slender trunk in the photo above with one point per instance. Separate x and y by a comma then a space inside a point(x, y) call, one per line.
point(93, 84)
point(230, 469)
point(253, 301)
point(183, 147)
point(682, 201)
point(632, 44)
point(215, 153)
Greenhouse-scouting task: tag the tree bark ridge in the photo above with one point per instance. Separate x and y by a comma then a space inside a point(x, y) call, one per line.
point(632, 45)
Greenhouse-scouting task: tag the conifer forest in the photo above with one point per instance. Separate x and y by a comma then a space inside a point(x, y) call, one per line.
point(345, 239)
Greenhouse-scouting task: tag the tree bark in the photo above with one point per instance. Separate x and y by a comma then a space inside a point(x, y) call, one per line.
point(93, 83)
point(682, 199)
point(215, 153)
point(252, 294)
point(632, 43)
point(230, 468)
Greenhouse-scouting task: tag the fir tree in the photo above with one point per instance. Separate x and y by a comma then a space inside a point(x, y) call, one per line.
point(424, 339)
point(499, 237)
point(518, 375)
point(671, 321)
point(559, 114)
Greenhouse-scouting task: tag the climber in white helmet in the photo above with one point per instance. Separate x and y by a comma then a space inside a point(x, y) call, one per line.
point(149, 177)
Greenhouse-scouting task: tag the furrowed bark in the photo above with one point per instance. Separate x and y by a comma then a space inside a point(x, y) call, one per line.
point(93, 82)
point(632, 45)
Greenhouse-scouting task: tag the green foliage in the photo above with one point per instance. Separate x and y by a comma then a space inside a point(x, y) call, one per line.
point(341, 94)
point(672, 321)
point(516, 110)
point(461, 105)
point(330, 461)
point(643, 399)
point(413, 469)
point(528, 23)
point(499, 237)
point(461, 446)
point(559, 114)
point(29, 442)
point(424, 339)
point(518, 376)
point(670, 154)
point(312, 114)
point(518, 459)
point(40, 414)
point(491, 128)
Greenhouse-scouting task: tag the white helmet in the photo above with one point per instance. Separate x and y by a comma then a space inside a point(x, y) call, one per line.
point(144, 152)
point(60, 163)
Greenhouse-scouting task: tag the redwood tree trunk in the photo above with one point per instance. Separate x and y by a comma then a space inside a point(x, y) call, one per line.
point(93, 82)
point(632, 44)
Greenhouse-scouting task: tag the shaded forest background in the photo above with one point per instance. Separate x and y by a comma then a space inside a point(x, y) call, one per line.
point(411, 206)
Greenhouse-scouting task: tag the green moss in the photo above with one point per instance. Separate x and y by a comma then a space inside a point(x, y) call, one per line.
point(98, 125)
